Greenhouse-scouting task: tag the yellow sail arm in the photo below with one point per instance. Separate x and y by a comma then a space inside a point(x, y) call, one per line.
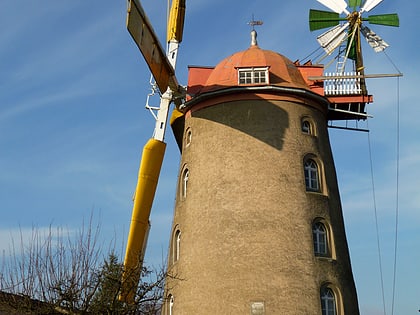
point(162, 67)
point(176, 21)
point(148, 176)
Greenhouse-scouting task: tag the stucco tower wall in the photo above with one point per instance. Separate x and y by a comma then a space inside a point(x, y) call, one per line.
point(246, 219)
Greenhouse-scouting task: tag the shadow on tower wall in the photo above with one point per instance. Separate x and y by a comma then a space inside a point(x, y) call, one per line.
point(259, 119)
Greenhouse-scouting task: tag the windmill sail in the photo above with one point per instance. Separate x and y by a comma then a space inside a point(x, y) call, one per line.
point(369, 5)
point(385, 19)
point(333, 38)
point(351, 31)
point(377, 43)
point(355, 3)
point(146, 39)
point(322, 19)
point(338, 6)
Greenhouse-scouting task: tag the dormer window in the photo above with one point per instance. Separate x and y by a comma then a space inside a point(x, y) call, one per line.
point(253, 75)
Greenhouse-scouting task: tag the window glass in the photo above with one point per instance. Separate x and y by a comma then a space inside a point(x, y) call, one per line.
point(170, 304)
point(176, 245)
point(188, 137)
point(306, 127)
point(184, 182)
point(245, 77)
point(259, 76)
point(253, 75)
point(311, 175)
point(328, 302)
point(319, 234)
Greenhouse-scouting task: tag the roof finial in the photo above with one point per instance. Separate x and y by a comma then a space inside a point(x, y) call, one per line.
point(254, 23)
point(254, 38)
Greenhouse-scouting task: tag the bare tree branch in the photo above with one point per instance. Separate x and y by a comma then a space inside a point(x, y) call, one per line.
point(67, 272)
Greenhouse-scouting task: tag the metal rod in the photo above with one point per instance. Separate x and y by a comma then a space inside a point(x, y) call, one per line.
point(348, 128)
point(350, 112)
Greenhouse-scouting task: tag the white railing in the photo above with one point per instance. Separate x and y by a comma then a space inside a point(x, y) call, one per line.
point(342, 84)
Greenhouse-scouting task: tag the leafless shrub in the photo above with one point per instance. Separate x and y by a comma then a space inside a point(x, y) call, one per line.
point(66, 272)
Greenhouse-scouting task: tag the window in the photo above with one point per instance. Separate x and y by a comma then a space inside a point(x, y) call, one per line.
point(306, 127)
point(176, 245)
point(311, 175)
point(257, 308)
point(184, 182)
point(328, 301)
point(253, 75)
point(169, 304)
point(188, 137)
point(320, 237)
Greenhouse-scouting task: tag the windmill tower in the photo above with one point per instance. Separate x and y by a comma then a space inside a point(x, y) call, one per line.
point(258, 226)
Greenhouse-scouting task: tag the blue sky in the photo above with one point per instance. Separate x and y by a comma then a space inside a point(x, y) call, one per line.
point(72, 124)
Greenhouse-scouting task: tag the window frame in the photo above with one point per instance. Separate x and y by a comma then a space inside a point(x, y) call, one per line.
point(170, 304)
point(188, 137)
point(176, 245)
point(321, 239)
point(328, 296)
point(306, 127)
point(253, 75)
point(185, 176)
point(312, 175)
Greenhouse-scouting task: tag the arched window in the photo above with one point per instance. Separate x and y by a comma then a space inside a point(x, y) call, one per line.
point(176, 246)
point(184, 182)
point(328, 301)
point(311, 175)
point(170, 305)
point(320, 237)
point(188, 137)
point(306, 127)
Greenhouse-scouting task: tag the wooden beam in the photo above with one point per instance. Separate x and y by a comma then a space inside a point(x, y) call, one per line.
point(144, 36)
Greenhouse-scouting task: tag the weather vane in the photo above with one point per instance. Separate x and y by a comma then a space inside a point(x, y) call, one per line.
point(254, 23)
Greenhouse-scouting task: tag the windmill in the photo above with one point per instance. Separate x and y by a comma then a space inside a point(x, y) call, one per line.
point(162, 66)
point(345, 32)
